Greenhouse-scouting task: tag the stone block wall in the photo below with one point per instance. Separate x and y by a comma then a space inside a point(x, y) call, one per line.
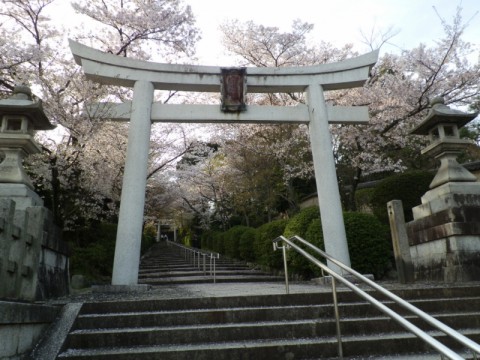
point(33, 258)
point(445, 246)
point(21, 325)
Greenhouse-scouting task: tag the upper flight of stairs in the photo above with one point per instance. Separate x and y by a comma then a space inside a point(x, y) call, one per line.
point(164, 265)
point(295, 326)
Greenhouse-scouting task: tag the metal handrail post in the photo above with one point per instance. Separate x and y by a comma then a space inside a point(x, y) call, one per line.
point(214, 270)
point(337, 319)
point(284, 252)
point(285, 265)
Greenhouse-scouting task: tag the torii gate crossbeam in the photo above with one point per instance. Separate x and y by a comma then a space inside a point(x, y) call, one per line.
point(145, 77)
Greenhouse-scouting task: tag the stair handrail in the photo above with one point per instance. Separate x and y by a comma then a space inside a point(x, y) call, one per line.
point(441, 348)
point(195, 253)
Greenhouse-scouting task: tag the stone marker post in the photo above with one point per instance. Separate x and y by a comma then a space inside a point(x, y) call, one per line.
point(401, 248)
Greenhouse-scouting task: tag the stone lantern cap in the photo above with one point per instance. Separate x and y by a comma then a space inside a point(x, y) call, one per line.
point(442, 114)
point(22, 104)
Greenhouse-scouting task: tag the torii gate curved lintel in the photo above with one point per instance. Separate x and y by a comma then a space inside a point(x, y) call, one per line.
point(146, 76)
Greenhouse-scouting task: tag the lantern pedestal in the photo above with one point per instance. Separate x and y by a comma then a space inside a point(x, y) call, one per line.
point(23, 195)
point(444, 236)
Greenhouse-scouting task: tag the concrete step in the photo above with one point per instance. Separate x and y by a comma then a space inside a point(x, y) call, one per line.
point(209, 279)
point(349, 314)
point(296, 326)
point(173, 271)
point(238, 327)
point(362, 347)
point(239, 350)
point(234, 331)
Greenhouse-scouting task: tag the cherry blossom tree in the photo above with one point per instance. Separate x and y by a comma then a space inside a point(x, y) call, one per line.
point(256, 170)
point(397, 94)
point(79, 172)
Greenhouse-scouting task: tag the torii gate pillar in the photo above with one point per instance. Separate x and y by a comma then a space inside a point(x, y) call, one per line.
point(333, 226)
point(144, 77)
point(130, 220)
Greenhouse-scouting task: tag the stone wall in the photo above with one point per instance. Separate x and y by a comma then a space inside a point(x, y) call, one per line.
point(33, 257)
point(21, 325)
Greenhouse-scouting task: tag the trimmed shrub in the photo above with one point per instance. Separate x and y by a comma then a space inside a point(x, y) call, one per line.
point(218, 244)
point(93, 250)
point(368, 244)
point(314, 235)
point(206, 240)
point(245, 246)
point(263, 247)
point(363, 200)
point(298, 225)
point(94, 257)
point(408, 187)
point(232, 240)
point(148, 238)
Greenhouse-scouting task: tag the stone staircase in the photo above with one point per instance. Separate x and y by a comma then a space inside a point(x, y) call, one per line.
point(295, 326)
point(167, 265)
point(173, 322)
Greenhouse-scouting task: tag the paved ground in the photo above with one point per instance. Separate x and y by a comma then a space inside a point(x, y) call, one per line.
point(225, 289)
point(191, 290)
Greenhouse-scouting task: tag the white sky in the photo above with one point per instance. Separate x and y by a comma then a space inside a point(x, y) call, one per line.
point(336, 21)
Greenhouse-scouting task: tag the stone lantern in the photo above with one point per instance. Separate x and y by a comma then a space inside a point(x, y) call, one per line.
point(20, 118)
point(442, 125)
point(444, 237)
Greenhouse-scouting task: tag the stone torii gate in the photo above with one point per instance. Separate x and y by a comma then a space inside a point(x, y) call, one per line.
point(145, 77)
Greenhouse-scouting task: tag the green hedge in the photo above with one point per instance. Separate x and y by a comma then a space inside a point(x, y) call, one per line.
point(408, 187)
point(298, 225)
point(206, 240)
point(368, 241)
point(363, 199)
point(93, 249)
point(265, 234)
point(314, 235)
point(245, 247)
point(218, 244)
point(149, 237)
point(231, 240)
point(369, 244)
